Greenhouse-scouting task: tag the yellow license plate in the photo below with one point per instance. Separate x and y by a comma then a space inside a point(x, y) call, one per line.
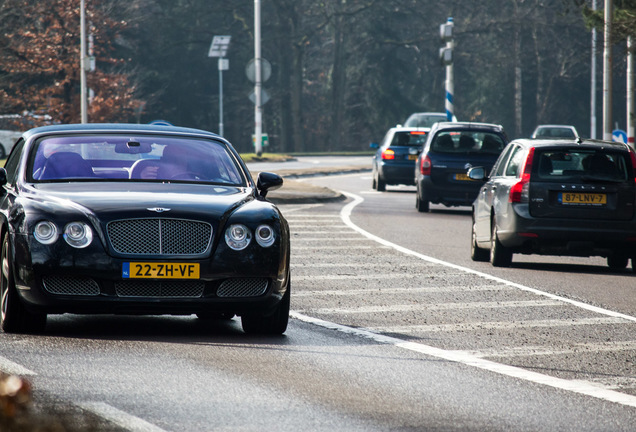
point(412, 157)
point(582, 198)
point(153, 270)
point(462, 177)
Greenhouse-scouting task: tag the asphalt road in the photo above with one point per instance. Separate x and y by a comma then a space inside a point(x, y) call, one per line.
point(393, 328)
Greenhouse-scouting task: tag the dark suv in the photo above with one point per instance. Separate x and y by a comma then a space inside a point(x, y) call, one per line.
point(557, 197)
point(450, 150)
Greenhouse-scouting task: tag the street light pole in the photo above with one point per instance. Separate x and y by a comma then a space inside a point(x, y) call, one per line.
point(258, 109)
point(83, 114)
point(607, 73)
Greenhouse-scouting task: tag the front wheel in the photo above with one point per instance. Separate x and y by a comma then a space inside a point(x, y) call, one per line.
point(274, 324)
point(500, 256)
point(14, 317)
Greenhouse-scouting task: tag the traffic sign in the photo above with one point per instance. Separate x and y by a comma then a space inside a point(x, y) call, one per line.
point(619, 135)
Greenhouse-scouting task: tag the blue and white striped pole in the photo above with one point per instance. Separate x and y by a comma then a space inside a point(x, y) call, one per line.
point(446, 56)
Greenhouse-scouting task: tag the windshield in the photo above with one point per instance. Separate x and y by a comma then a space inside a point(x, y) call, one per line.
point(424, 120)
point(468, 142)
point(132, 158)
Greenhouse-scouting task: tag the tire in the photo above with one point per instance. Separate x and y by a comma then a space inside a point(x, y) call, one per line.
point(274, 324)
point(477, 253)
point(500, 256)
point(14, 317)
point(380, 184)
point(421, 203)
point(618, 262)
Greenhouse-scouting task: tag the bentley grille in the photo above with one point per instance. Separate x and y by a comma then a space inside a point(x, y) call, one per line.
point(159, 236)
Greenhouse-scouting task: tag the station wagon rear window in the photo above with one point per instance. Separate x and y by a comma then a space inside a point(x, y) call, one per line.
point(580, 164)
point(467, 142)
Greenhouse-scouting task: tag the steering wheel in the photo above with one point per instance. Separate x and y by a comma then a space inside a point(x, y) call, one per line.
point(187, 175)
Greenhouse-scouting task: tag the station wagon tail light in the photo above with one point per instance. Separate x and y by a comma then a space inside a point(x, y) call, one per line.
point(45, 232)
point(388, 154)
point(425, 165)
point(78, 234)
point(519, 192)
point(632, 154)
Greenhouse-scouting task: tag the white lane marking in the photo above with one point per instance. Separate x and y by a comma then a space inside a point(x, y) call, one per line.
point(497, 325)
point(12, 368)
point(345, 213)
point(120, 418)
point(406, 290)
point(580, 387)
point(332, 247)
point(295, 208)
point(300, 216)
point(437, 306)
point(326, 239)
point(538, 350)
point(355, 277)
point(348, 231)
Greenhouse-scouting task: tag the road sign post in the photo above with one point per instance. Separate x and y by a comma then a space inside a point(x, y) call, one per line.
point(219, 47)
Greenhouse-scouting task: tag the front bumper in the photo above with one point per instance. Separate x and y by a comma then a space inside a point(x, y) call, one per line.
point(91, 281)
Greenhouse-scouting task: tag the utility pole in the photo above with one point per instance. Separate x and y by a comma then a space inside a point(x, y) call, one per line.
point(630, 91)
point(446, 57)
point(593, 82)
point(607, 73)
point(83, 114)
point(258, 108)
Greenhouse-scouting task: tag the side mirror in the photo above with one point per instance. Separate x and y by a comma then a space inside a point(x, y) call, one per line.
point(3, 176)
point(374, 145)
point(268, 182)
point(477, 173)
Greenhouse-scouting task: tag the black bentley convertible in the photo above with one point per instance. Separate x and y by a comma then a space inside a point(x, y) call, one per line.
point(139, 219)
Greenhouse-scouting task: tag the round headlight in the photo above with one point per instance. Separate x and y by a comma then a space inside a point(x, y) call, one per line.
point(45, 232)
point(78, 234)
point(265, 235)
point(238, 236)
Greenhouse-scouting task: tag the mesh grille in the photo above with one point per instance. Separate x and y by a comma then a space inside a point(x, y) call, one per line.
point(190, 289)
point(159, 236)
point(67, 285)
point(242, 288)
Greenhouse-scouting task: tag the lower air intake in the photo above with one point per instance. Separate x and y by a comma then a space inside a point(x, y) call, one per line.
point(160, 289)
point(242, 287)
point(70, 285)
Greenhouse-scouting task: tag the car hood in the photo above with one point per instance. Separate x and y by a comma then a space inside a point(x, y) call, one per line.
point(113, 201)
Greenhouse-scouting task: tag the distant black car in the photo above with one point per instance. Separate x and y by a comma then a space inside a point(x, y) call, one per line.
point(450, 150)
point(138, 219)
point(557, 197)
point(394, 160)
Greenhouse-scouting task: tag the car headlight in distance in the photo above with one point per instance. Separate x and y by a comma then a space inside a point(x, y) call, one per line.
point(238, 236)
point(45, 232)
point(78, 234)
point(265, 235)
